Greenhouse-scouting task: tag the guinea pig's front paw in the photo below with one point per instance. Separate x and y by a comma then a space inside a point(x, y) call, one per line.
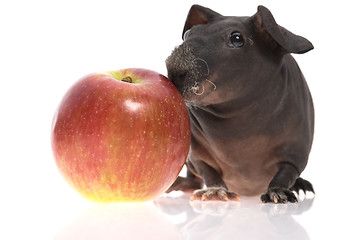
point(278, 195)
point(215, 194)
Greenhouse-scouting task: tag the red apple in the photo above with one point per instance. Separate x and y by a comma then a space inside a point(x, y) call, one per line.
point(121, 136)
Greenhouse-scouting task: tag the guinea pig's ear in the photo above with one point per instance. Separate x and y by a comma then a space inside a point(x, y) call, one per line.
point(277, 37)
point(198, 15)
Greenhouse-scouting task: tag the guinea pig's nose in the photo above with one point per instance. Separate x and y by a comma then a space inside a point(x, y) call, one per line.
point(177, 78)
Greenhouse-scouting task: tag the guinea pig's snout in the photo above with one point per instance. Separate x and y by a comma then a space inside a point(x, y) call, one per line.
point(180, 65)
point(178, 78)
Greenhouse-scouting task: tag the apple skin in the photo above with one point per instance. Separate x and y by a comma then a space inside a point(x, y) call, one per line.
point(115, 141)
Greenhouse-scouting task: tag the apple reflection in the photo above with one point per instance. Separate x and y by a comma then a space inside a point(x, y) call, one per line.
point(119, 221)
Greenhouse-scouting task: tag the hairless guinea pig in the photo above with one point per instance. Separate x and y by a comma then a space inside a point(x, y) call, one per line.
point(251, 112)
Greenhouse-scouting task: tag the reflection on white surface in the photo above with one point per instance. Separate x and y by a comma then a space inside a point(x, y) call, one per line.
point(177, 218)
point(248, 219)
point(119, 221)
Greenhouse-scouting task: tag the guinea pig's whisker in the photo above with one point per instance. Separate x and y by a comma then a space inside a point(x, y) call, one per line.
point(199, 94)
point(195, 89)
point(204, 63)
point(214, 85)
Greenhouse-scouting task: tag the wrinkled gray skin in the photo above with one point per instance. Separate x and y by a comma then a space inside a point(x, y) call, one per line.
point(250, 109)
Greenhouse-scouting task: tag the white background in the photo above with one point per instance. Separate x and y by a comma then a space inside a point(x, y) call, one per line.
point(45, 46)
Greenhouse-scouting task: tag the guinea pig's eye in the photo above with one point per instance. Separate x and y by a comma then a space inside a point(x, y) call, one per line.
point(186, 33)
point(236, 40)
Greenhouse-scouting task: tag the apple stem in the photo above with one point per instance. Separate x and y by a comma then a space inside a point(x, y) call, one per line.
point(127, 79)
